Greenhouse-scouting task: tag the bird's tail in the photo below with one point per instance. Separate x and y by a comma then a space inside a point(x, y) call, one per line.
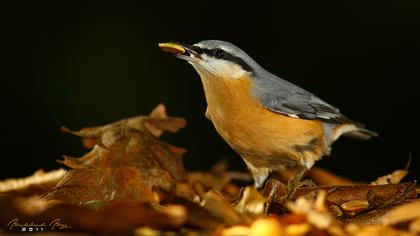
point(354, 130)
point(361, 133)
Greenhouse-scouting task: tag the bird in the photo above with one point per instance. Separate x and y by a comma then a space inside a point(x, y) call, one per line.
point(270, 122)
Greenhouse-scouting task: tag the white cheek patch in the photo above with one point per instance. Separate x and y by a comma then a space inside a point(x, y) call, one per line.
point(233, 71)
point(222, 68)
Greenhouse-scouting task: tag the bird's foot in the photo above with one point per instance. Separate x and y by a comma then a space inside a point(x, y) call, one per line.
point(276, 191)
point(294, 184)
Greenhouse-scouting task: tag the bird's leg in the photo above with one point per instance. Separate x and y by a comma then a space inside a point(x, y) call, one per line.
point(294, 183)
point(273, 188)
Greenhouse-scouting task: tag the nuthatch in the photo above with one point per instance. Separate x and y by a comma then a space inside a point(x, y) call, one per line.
point(270, 122)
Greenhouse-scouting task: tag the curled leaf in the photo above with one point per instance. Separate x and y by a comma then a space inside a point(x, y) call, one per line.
point(127, 163)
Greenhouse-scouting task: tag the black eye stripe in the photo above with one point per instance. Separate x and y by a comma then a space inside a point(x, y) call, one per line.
point(207, 51)
point(197, 49)
point(227, 56)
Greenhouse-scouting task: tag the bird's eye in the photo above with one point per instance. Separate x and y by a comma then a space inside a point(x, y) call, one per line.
point(219, 53)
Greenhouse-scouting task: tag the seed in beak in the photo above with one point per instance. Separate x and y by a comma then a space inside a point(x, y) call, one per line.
point(172, 48)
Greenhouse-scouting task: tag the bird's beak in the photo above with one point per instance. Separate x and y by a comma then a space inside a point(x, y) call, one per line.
point(181, 50)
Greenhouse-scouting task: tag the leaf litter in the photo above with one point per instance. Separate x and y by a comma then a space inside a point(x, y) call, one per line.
point(132, 183)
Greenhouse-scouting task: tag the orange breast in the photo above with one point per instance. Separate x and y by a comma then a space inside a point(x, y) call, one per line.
point(257, 134)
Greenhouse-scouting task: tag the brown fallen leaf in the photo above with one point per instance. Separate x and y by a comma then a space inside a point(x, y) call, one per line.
point(198, 217)
point(314, 210)
point(349, 201)
point(268, 226)
point(250, 201)
point(127, 163)
point(40, 181)
point(218, 178)
point(404, 213)
point(221, 209)
point(393, 178)
point(415, 226)
point(381, 230)
point(369, 218)
point(115, 218)
point(341, 194)
point(133, 183)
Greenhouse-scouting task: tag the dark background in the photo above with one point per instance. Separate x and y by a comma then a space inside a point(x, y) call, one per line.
point(92, 63)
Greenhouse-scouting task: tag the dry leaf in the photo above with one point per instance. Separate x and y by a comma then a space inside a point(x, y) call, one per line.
point(221, 209)
point(315, 214)
point(129, 170)
point(117, 217)
point(127, 162)
point(238, 230)
point(415, 226)
point(393, 178)
point(38, 178)
point(297, 229)
point(407, 212)
point(369, 218)
point(338, 195)
point(250, 201)
point(382, 231)
point(268, 226)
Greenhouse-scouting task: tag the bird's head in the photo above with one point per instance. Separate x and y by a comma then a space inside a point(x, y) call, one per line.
point(214, 58)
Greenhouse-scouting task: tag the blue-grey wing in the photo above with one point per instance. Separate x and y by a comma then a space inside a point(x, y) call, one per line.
point(303, 105)
point(283, 97)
